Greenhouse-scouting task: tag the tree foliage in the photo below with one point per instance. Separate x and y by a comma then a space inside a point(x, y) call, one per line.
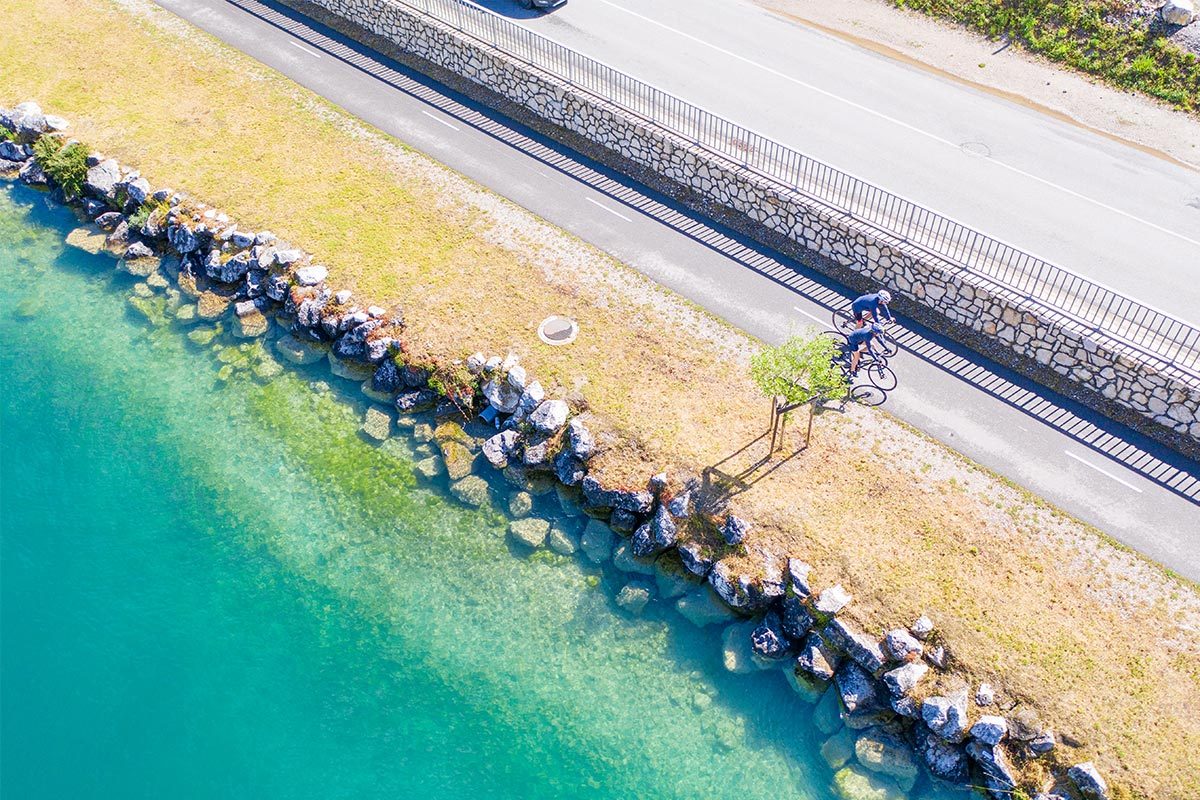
point(799, 370)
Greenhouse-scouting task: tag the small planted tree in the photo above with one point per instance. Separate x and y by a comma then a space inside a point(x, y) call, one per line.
point(799, 371)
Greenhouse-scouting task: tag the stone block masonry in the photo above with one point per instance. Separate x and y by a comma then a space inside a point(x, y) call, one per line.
point(1081, 361)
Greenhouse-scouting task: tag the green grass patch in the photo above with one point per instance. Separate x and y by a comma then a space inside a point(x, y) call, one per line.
point(1087, 35)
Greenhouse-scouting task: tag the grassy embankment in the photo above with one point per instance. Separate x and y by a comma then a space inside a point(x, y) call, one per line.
point(1085, 35)
point(1098, 641)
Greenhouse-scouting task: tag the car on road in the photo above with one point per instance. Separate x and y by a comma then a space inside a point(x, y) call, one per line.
point(541, 5)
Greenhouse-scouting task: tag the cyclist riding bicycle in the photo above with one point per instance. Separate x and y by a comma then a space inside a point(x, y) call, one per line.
point(861, 341)
point(872, 307)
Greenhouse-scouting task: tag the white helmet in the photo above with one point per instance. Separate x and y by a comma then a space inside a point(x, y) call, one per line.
point(885, 295)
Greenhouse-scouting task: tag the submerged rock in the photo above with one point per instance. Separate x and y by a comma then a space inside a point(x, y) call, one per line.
point(882, 752)
point(838, 749)
point(202, 335)
point(626, 560)
point(597, 541)
point(563, 538)
point(672, 578)
point(251, 325)
point(737, 655)
point(377, 424)
point(809, 688)
point(430, 467)
point(520, 504)
point(827, 715)
point(634, 597)
point(471, 490)
point(88, 239)
point(211, 306)
point(299, 352)
point(855, 783)
point(530, 531)
point(702, 607)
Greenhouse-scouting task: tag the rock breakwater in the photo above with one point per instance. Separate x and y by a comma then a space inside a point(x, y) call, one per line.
point(892, 706)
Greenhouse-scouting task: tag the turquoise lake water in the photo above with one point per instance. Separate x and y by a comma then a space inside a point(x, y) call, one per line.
point(217, 589)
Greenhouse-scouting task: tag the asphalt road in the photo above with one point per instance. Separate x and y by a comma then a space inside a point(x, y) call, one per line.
point(1133, 489)
point(1108, 211)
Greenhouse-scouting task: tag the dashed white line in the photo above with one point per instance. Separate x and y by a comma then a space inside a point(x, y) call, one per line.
point(609, 210)
point(1105, 473)
point(439, 119)
point(901, 123)
point(813, 317)
point(299, 46)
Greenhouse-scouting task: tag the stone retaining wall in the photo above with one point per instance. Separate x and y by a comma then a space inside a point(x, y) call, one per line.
point(894, 706)
point(1085, 364)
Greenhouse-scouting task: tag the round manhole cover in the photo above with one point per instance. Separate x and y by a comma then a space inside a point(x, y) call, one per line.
point(976, 149)
point(558, 330)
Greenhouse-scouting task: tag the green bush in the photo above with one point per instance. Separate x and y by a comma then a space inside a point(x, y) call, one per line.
point(1084, 35)
point(65, 165)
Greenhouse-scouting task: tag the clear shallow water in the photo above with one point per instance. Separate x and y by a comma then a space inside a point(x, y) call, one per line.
point(218, 590)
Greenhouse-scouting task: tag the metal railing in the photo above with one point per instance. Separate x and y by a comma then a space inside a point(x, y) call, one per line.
point(1092, 305)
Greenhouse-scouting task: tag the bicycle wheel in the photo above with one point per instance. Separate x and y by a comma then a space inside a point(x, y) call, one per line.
point(843, 321)
point(881, 376)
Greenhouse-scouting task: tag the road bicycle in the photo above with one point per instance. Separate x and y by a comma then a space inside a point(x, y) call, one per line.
point(843, 321)
point(874, 368)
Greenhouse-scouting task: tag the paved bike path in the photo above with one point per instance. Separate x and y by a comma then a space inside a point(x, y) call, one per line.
point(1135, 490)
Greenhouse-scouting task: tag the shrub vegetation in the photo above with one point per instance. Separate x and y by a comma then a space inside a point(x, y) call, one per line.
point(1094, 36)
point(66, 165)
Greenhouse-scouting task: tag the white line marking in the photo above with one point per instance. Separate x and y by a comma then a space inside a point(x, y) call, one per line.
point(439, 119)
point(299, 46)
point(901, 123)
point(816, 319)
point(609, 210)
point(1103, 472)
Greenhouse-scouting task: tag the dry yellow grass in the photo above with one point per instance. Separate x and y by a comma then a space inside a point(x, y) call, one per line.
point(1102, 644)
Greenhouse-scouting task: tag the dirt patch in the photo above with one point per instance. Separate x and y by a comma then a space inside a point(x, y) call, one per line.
point(1105, 646)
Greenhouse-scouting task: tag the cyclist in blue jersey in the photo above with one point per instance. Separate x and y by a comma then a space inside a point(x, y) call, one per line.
point(872, 308)
point(861, 341)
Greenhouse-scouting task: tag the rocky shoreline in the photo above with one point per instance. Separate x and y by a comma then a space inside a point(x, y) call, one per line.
point(891, 706)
